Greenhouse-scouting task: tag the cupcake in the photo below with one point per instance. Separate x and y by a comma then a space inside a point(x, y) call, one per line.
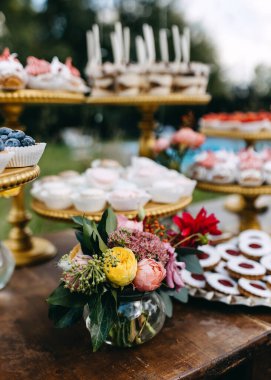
point(102, 178)
point(5, 157)
point(39, 74)
point(128, 200)
point(165, 192)
point(12, 73)
point(57, 198)
point(26, 151)
point(159, 79)
point(89, 200)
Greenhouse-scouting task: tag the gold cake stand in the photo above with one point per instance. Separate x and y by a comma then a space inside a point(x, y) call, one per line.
point(248, 212)
point(25, 248)
point(151, 209)
point(237, 203)
point(250, 138)
point(148, 105)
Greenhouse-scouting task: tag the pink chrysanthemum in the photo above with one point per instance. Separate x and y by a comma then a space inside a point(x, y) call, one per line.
point(144, 244)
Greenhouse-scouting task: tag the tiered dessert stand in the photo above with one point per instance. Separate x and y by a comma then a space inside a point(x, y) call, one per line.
point(148, 105)
point(244, 202)
point(26, 248)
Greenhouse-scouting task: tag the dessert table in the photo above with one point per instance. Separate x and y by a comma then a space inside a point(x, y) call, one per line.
point(202, 341)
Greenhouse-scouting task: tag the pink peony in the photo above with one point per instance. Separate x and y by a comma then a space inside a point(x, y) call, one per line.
point(129, 224)
point(174, 268)
point(188, 138)
point(149, 275)
point(161, 144)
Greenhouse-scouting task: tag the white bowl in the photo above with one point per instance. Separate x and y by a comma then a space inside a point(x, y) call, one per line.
point(128, 200)
point(89, 200)
point(101, 178)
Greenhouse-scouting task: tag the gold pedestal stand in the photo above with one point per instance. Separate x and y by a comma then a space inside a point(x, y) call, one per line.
point(246, 210)
point(240, 203)
point(151, 209)
point(26, 248)
point(148, 105)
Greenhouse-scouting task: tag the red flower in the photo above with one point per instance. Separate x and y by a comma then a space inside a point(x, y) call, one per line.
point(202, 224)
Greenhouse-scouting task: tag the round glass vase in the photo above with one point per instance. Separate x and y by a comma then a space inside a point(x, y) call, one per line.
point(140, 318)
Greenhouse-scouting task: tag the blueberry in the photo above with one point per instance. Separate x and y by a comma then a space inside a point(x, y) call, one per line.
point(3, 138)
point(2, 145)
point(5, 131)
point(28, 141)
point(19, 135)
point(12, 143)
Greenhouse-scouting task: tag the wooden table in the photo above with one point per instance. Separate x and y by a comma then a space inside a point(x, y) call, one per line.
point(201, 341)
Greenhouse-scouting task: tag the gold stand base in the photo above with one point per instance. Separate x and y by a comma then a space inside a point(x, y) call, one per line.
point(41, 250)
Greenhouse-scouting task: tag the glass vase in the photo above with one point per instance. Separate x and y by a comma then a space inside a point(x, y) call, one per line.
point(140, 318)
point(7, 265)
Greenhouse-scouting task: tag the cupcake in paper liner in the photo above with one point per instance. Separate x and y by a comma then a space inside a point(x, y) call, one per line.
point(26, 155)
point(5, 157)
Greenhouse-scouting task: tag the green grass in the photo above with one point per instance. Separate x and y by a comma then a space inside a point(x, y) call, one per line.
point(55, 159)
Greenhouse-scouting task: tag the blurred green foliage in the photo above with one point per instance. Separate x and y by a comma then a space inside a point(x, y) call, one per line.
point(59, 28)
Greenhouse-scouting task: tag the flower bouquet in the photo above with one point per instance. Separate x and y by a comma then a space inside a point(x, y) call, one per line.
point(122, 275)
point(170, 151)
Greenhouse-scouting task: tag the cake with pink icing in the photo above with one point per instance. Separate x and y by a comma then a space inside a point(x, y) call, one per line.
point(54, 76)
point(12, 73)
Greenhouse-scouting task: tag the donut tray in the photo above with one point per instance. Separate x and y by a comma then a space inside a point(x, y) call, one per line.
point(228, 299)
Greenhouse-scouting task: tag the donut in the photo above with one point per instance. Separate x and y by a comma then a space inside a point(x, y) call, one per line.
point(254, 235)
point(243, 267)
point(266, 262)
point(193, 279)
point(222, 268)
point(255, 248)
point(208, 257)
point(228, 251)
point(252, 288)
point(222, 284)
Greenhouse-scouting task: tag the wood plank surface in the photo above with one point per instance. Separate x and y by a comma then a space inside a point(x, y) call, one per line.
point(201, 341)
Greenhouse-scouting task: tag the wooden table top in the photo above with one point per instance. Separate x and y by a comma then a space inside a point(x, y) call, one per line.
point(201, 341)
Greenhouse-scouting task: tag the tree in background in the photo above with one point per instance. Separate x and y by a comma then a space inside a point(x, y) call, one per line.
point(59, 28)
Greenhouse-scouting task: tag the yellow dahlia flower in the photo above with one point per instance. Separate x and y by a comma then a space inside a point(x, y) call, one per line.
point(120, 266)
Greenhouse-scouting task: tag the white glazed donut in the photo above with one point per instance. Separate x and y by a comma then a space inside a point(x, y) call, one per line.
point(221, 283)
point(242, 267)
point(266, 262)
point(209, 257)
point(193, 279)
point(222, 268)
point(253, 288)
point(228, 251)
point(255, 235)
point(255, 249)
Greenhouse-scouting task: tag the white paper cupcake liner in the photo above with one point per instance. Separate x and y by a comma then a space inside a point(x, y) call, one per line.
point(26, 156)
point(5, 157)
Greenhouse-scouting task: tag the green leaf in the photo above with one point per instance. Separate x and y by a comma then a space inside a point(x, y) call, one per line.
point(103, 314)
point(64, 316)
point(97, 238)
point(192, 263)
point(78, 220)
point(87, 232)
point(64, 297)
point(107, 224)
point(182, 295)
point(167, 302)
point(186, 251)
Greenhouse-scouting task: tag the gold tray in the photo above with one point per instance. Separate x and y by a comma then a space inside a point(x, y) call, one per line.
point(151, 209)
point(235, 189)
point(141, 100)
point(40, 97)
point(237, 135)
point(14, 177)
